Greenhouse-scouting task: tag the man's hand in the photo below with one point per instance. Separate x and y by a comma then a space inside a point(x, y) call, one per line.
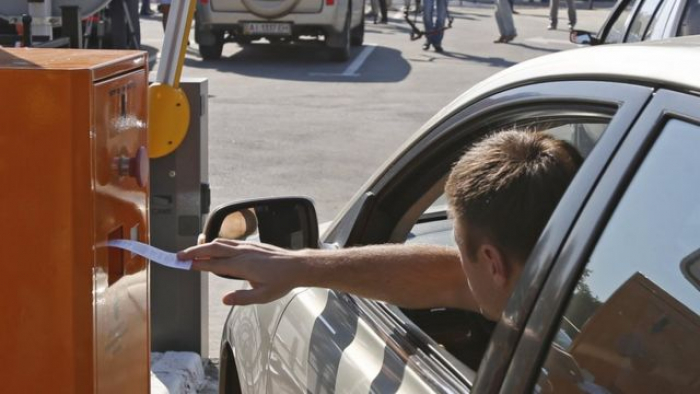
point(271, 271)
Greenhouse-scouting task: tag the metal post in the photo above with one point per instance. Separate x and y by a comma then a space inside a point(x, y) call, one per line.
point(71, 26)
point(179, 202)
point(26, 30)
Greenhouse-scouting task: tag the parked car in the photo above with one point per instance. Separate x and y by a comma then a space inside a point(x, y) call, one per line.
point(642, 20)
point(340, 23)
point(609, 298)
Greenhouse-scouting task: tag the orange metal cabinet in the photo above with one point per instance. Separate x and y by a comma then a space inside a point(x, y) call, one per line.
point(74, 174)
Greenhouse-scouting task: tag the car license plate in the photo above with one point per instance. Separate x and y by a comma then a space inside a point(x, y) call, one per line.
point(267, 28)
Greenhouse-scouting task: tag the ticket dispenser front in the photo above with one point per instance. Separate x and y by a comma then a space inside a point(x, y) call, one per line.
point(74, 170)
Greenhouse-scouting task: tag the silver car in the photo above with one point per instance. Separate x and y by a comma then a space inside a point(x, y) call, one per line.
point(642, 20)
point(609, 299)
point(338, 23)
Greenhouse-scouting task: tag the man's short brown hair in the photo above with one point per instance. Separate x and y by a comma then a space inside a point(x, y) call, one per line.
point(505, 187)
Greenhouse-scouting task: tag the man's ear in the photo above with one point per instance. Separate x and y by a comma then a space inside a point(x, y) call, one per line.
point(496, 263)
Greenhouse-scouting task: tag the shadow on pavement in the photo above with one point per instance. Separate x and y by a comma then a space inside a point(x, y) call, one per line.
point(152, 55)
point(311, 62)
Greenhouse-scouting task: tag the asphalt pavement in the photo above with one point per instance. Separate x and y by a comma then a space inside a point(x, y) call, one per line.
point(285, 120)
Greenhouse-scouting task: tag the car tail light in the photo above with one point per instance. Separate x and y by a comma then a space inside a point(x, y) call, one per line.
point(205, 2)
point(330, 2)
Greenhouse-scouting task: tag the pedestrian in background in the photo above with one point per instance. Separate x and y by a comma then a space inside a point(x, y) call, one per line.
point(378, 11)
point(164, 9)
point(504, 20)
point(126, 28)
point(434, 15)
point(554, 13)
point(383, 10)
point(146, 8)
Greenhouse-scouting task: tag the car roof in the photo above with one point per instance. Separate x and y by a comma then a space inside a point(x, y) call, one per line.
point(670, 63)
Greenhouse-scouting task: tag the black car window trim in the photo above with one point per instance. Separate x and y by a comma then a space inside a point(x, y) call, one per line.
point(568, 267)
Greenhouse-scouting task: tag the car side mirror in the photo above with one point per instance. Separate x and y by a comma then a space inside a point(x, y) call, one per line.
point(690, 266)
point(287, 222)
point(582, 37)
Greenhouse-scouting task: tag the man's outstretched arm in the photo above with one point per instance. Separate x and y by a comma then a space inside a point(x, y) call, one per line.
point(411, 276)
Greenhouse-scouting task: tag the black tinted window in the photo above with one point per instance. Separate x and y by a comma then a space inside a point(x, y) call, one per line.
point(632, 324)
point(690, 24)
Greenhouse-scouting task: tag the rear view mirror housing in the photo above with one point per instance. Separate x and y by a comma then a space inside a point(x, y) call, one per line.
point(287, 222)
point(582, 37)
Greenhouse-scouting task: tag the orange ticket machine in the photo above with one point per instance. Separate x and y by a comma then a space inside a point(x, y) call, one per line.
point(74, 315)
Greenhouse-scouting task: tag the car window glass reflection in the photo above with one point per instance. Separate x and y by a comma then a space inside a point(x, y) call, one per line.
point(642, 19)
point(633, 319)
point(617, 31)
point(690, 25)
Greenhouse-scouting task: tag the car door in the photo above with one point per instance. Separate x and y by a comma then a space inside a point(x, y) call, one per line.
point(328, 341)
point(625, 288)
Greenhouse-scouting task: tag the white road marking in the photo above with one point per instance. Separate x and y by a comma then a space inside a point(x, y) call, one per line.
point(351, 70)
point(546, 41)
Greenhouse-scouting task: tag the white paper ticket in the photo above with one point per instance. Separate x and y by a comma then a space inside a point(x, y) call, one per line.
point(152, 253)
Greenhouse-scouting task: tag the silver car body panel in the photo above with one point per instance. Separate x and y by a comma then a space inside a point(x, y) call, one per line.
point(327, 16)
point(301, 7)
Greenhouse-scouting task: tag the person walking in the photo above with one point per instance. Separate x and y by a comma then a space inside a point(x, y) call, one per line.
point(504, 20)
point(379, 11)
point(164, 9)
point(554, 13)
point(434, 15)
point(146, 8)
point(126, 28)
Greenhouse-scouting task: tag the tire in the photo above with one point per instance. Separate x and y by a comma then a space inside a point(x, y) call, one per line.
point(213, 52)
point(342, 53)
point(357, 34)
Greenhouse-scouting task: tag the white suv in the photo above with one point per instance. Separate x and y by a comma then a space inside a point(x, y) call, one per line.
point(339, 22)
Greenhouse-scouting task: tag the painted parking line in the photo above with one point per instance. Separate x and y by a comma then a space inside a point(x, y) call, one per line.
point(548, 41)
point(351, 70)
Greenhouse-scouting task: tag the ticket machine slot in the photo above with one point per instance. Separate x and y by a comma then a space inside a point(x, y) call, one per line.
point(115, 258)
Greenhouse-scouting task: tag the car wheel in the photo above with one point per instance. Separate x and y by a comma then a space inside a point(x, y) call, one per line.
point(212, 51)
point(357, 34)
point(342, 53)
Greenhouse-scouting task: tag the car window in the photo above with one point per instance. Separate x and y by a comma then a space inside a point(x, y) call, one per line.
point(633, 320)
point(617, 31)
point(690, 24)
point(647, 11)
point(434, 227)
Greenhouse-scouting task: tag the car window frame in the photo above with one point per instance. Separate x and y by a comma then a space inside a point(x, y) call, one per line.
point(627, 98)
point(532, 349)
point(680, 13)
point(614, 16)
point(637, 15)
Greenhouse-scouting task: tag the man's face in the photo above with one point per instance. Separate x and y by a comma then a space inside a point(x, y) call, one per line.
point(481, 278)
